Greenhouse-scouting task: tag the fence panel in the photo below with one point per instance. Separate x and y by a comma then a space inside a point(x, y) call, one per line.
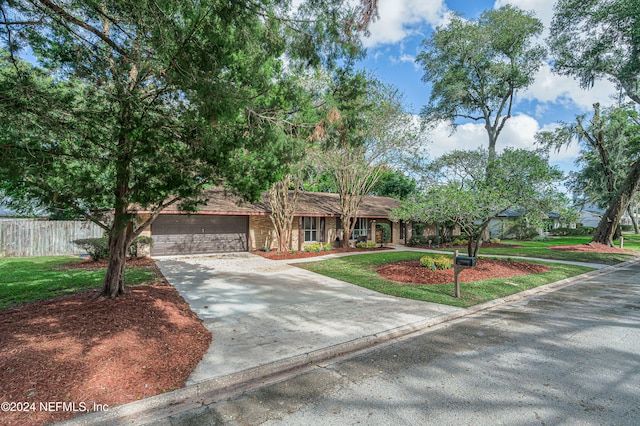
point(34, 237)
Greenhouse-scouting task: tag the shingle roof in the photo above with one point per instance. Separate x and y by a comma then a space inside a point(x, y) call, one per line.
point(220, 201)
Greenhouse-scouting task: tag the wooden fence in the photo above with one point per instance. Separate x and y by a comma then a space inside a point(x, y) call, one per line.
point(35, 237)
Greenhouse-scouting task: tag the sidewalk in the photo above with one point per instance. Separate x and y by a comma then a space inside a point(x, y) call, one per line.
point(268, 318)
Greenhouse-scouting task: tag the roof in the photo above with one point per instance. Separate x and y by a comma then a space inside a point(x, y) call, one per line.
point(519, 212)
point(221, 202)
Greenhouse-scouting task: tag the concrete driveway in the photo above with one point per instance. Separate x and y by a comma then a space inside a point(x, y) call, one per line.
point(260, 311)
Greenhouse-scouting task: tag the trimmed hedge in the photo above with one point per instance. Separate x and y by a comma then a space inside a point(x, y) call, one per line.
point(573, 232)
point(438, 262)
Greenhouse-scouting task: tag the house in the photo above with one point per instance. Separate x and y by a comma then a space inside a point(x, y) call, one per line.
point(507, 225)
point(590, 215)
point(225, 224)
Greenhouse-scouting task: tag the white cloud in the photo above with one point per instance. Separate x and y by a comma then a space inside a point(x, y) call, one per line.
point(549, 87)
point(401, 18)
point(519, 132)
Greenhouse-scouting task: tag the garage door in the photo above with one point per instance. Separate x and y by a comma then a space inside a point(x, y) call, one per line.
point(183, 234)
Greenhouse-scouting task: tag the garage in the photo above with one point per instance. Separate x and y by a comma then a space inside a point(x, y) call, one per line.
point(184, 234)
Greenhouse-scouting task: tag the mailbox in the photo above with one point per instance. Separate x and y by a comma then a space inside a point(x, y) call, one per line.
point(465, 261)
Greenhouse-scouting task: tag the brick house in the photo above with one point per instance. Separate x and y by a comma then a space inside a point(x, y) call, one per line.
point(225, 224)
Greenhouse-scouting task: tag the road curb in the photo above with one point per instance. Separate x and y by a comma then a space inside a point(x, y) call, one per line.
point(155, 409)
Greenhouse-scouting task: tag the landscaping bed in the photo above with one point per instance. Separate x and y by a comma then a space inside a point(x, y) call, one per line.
point(410, 271)
point(85, 350)
point(365, 271)
point(275, 255)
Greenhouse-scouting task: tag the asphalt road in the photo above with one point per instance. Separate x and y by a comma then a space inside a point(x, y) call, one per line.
point(569, 357)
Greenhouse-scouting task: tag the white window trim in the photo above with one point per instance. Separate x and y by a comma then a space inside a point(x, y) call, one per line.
point(313, 230)
point(360, 229)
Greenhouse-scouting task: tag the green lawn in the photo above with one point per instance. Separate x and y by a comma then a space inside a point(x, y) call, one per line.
point(28, 279)
point(360, 270)
point(540, 249)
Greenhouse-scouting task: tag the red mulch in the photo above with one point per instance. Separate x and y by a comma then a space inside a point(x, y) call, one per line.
point(274, 255)
point(591, 248)
point(102, 263)
point(410, 271)
point(77, 349)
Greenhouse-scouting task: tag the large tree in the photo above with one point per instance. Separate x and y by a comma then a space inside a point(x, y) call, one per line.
point(592, 40)
point(461, 194)
point(364, 132)
point(608, 152)
point(141, 105)
point(477, 66)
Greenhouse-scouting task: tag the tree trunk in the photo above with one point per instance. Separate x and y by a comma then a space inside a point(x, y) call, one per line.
point(113, 284)
point(611, 219)
point(633, 220)
point(346, 232)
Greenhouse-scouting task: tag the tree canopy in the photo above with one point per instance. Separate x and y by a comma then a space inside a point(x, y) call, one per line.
point(594, 39)
point(365, 131)
point(461, 194)
point(476, 66)
point(135, 106)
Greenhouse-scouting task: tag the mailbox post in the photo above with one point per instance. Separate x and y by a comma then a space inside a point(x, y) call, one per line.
point(460, 263)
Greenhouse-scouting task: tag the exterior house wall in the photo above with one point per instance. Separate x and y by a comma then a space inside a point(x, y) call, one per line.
point(144, 250)
point(262, 233)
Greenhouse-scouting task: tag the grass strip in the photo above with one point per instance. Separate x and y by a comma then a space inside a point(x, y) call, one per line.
point(360, 270)
point(28, 279)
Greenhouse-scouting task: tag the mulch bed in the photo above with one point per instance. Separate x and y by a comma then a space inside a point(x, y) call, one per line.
point(102, 263)
point(411, 272)
point(274, 255)
point(591, 248)
point(80, 349)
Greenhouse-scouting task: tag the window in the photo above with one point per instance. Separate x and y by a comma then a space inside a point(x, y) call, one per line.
point(402, 229)
point(360, 229)
point(310, 227)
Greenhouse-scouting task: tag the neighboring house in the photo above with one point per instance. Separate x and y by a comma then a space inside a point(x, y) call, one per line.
point(590, 215)
point(503, 225)
point(225, 224)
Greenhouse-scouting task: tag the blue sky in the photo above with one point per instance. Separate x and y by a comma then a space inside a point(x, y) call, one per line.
point(396, 40)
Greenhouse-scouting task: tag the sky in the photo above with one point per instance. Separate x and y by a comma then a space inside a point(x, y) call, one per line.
point(396, 39)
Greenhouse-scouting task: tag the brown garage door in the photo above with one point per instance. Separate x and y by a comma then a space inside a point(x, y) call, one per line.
point(184, 234)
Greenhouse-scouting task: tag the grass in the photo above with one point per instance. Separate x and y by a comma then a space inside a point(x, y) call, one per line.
point(541, 249)
point(28, 279)
point(360, 270)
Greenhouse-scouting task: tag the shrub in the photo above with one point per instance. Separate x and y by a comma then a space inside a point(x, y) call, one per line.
point(460, 242)
point(417, 240)
point(371, 244)
point(443, 262)
point(386, 232)
point(312, 247)
point(626, 228)
point(541, 238)
point(97, 248)
point(494, 240)
point(361, 245)
point(428, 262)
point(138, 244)
point(577, 231)
point(327, 247)
point(439, 262)
point(435, 239)
point(418, 229)
point(292, 252)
